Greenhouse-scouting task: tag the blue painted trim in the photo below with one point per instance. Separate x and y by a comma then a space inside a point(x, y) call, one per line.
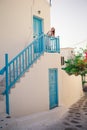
point(2, 70)
point(7, 88)
point(57, 99)
point(58, 44)
point(18, 65)
point(52, 44)
point(57, 88)
point(20, 57)
point(39, 24)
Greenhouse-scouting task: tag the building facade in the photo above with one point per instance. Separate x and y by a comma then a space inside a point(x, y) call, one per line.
point(44, 85)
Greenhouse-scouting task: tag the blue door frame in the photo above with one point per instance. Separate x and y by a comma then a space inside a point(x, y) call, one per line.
point(37, 26)
point(37, 31)
point(53, 88)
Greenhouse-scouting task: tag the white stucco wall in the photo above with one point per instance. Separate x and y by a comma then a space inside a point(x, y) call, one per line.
point(67, 53)
point(71, 89)
point(16, 28)
point(71, 85)
point(31, 94)
point(2, 105)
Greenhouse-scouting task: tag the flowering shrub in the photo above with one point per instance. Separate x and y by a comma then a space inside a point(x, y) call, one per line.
point(77, 65)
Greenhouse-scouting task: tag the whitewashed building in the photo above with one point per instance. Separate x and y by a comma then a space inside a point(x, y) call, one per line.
point(31, 78)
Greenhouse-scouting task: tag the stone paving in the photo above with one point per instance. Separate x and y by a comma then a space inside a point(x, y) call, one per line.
point(77, 116)
point(74, 119)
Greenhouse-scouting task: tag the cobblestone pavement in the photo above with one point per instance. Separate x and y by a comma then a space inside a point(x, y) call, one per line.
point(73, 119)
point(76, 118)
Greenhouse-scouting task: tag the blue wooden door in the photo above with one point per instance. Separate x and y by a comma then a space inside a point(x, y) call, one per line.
point(37, 31)
point(37, 26)
point(53, 88)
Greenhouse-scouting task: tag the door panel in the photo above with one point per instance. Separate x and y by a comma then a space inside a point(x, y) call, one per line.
point(37, 27)
point(37, 31)
point(53, 90)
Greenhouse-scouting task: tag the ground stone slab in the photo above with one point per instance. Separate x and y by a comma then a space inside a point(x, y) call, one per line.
point(74, 119)
point(70, 128)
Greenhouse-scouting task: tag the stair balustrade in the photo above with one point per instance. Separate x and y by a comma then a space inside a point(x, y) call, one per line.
point(14, 69)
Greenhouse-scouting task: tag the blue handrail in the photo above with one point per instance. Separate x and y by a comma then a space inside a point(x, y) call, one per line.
point(52, 44)
point(2, 70)
point(22, 62)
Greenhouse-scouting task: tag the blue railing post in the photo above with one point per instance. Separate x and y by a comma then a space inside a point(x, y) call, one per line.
point(43, 47)
point(58, 44)
point(7, 87)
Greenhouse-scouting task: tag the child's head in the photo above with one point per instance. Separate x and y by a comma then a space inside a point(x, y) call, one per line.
point(53, 31)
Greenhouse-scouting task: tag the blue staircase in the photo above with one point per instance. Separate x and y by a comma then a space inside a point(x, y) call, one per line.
point(14, 69)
